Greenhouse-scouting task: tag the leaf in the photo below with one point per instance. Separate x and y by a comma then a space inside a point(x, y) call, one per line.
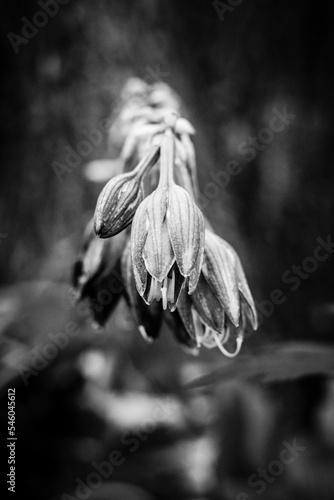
point(274, 363)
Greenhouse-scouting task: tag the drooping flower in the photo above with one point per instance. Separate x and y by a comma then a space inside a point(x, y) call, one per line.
point(121, 197)
point(197, 276)
point(222, 305)
point(167, 237)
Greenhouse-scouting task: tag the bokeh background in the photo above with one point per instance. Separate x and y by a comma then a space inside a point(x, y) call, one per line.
point(108, 390)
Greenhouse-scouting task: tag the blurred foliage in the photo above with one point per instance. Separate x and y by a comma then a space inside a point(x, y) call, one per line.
point(230, 76)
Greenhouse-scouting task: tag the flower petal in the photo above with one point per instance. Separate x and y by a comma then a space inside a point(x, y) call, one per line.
point(207, 306)
point(184, 308)
point(158, 253)
point(246, 294)
point(183, 126)
point(138, 238)
point(186, 230)
point(219, 269)
point(178, 286)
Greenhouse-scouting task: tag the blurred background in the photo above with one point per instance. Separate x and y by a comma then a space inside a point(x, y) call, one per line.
point(100, 414)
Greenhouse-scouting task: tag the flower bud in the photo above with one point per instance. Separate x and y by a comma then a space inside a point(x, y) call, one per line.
point(121, 197)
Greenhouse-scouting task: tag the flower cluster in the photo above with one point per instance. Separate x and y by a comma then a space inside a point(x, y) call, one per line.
point(151, 233)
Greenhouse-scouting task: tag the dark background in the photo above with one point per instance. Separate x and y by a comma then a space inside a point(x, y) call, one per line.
point(230, 74)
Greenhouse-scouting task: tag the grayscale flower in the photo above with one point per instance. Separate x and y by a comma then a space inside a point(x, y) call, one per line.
point(167, 237)
point(170, 256)
point(222, 306)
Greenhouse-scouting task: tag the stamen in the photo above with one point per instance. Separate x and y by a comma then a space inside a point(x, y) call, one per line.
point(157, 292)
point(164, 290)
point(220, 346)
point(164, 294)
point(210, 343)
point(208, 339)
point(198, 327)
point(150, 296)
point(171, 288)
point(226, 333)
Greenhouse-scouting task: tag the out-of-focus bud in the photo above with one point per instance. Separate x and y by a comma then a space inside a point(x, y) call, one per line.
point(96, 274)
point(121, 197)
point(185, 165)
point(162, 96)
point(183, 126)
point(139, 141)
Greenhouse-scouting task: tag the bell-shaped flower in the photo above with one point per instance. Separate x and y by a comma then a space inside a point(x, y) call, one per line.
point(121, 197)
point(219, 271)
point(222, 306)
point(167, 237)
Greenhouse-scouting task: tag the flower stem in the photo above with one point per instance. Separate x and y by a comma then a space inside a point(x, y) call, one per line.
point(167, 159)
point(147, 162)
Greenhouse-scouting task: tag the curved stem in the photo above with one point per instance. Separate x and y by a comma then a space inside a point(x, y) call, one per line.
point(167, 159)
point(147, 162)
